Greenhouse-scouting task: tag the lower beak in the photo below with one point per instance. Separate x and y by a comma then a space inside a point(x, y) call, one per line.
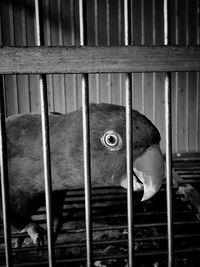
point(149, 169)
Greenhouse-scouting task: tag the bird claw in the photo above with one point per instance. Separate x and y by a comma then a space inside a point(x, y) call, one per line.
point(37, 234)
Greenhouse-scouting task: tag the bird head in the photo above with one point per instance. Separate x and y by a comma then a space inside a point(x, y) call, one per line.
point(108, 149)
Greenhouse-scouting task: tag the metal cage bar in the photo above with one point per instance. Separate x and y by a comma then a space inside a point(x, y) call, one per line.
point(86, 140)
point(129, 163)
point(4, 181)
point(87, 170)
point(46, 141)
point(129, 150)
point(168, 127)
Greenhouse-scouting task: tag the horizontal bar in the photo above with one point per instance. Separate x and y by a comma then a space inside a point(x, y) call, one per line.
point(115, 228)
point(108, 242)
point(108, 228)
point(18, 60)
point(146, 256)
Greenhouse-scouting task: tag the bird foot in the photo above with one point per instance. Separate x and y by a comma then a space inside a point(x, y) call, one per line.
point(36, 233)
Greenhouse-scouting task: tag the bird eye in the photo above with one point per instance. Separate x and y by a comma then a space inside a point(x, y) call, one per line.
point(111, 140)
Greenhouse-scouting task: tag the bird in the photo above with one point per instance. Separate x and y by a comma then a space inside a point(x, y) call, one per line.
point(107, 136)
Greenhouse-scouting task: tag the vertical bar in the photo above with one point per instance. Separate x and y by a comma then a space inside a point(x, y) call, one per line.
point(169, 168)
point(4, 181)
point(46, 13)
point(143, 78)
point(129, 163)
point(168, 126)
point(47, 21)
point(142, 42)
point(38, 28)
point(96, 15)
point(1, 33)
point(120, 89)
point(12, 32)
point(129, 150)
point(62, 76)
point(74, 76)
point(166, 22)
point(60, 30)
point(198, 81)
point(87, 171)
point(46, 140)
point(131, 22)
point(119, 22)
point(25, 43)
point(72, 22)
point(187, 111)
point(25, 78)
point(198, 22)
point(142, 22)
point(126, 23)
point(187, 76)
point(86, 140)
point(108, 44)
point(47, 168)
point(154, 43)
point(154, 21)
point(198, 113)
point(82, 23)
point(119, 5)
point(108, 21)
point(96, 22)
point(23, 21)
point(176, 73)
point(154, 97)
point(187, 22)
point(109, 88)
point(12, 42)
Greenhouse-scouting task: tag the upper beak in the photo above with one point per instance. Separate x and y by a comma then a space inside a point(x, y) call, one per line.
point(149, 169)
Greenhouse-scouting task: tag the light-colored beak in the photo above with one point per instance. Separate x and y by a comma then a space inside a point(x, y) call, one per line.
point(149, 170)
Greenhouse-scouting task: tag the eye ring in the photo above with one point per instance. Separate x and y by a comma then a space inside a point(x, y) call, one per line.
point(111, 140)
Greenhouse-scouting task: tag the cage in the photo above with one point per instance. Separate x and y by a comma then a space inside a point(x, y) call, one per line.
point(59, 55)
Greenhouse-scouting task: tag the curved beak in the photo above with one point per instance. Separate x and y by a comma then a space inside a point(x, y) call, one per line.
point(148, 172)
point(149, 169)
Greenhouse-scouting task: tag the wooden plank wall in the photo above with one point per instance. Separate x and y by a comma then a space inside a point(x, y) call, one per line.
point(105, 27)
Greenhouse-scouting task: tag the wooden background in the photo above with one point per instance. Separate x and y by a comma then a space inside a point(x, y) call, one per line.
point(105, 28)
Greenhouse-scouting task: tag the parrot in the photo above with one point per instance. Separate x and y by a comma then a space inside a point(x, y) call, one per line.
point(107, 124)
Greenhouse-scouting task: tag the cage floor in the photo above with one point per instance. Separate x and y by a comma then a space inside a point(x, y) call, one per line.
point(110, 236)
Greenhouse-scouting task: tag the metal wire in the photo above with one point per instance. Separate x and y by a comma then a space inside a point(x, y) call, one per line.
point(169, 168)
point(4, 182)
point(129, 162)
point(87, 171)
point(129, 153)
point(86, 140)
point(46, 142)
point(168, 127)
